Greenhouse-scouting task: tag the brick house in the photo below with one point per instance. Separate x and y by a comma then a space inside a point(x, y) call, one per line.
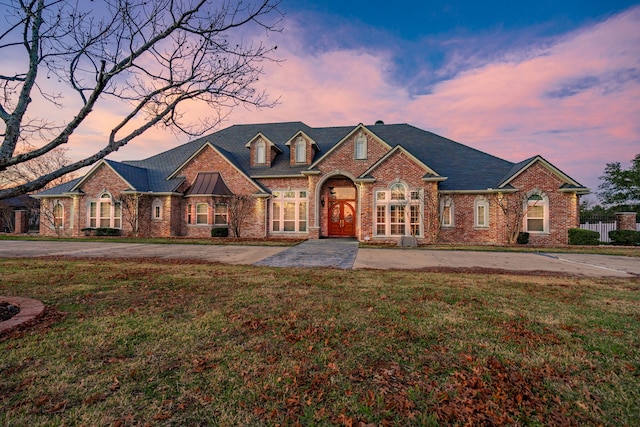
point(374, 183)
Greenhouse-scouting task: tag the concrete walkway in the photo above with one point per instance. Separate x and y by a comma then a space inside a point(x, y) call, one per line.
point(337, 254)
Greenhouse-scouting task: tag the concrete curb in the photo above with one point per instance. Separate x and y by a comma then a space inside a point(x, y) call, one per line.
point(30, 309)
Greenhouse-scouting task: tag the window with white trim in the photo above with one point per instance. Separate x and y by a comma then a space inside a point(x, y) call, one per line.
point(397, 207)
point(301, 150)
point(189, 213)
point(202, 213)
point(261, 152)
point(360, 147)
point(289, 211)
point(58, 215)
point(537, 214)
point(105, 212)
point(220, 216)
point(446, 211)
point(156, 209)
point(481, 212)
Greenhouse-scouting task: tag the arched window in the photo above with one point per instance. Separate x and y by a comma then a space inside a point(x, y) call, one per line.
point(58, 215)
point(261, 152)
point(395, 208)
point(105, 212)
point(361, 147)
point(536, 218)
point(301, 150)
point(446, 211)
point(156, 209)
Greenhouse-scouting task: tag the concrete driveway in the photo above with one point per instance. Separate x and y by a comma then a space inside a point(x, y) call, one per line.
point(308, 255)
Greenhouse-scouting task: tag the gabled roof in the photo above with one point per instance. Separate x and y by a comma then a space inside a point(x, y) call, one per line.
point(518, 168)
point(135, 177)
point(465, 168)
point(399, 148)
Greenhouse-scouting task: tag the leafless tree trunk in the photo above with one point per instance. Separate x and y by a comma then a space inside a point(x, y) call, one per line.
point(514, 207)
point(49, 218)
point(152, 57)
point(238, 209)
point(131, 212)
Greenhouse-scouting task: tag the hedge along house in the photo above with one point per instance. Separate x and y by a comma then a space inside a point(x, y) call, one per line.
point(377, 183)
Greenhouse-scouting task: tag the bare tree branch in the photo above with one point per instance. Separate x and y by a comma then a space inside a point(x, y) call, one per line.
point(151, 56)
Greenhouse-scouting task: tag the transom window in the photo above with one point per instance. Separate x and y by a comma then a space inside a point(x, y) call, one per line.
point(398, 211)
point(289, 211)
point(105, 212)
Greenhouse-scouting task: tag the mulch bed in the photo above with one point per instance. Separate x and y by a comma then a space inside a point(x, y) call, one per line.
point(7, 311)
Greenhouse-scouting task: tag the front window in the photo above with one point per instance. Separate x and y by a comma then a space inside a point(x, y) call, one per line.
point(397, 211)
point(481, 218)
point(289, 211)
point(261, 153)
point(301, 150)
point(221, 212)
point(537, 214)
point(105, 212)
point(202, 213)
point(446, 212)
point(361, 147)
point(58, 215)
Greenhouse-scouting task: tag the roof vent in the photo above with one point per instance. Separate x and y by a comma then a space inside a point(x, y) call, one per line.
point(379, 122)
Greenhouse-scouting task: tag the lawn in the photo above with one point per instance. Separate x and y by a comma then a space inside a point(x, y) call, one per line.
point(184, 343)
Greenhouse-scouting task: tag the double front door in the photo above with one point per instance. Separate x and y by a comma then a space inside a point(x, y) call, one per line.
point(342, 219)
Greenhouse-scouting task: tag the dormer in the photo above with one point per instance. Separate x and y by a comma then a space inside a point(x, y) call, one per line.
point(301, 149)
point(263, 151)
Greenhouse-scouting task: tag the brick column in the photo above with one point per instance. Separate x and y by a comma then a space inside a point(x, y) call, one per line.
point(626, 221)
point(22, 224)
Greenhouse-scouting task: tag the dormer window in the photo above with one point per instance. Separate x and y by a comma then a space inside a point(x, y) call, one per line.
point(361, 147)
point(300, 148)
point(260, 152)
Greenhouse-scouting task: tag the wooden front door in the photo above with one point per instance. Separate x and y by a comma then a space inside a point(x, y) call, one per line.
point(342, 219)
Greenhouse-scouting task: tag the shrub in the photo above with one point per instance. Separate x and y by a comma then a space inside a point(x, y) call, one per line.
point(625, 237)
point(523, 238)
point(579, 236)
point(219, 232)
point(106, 231)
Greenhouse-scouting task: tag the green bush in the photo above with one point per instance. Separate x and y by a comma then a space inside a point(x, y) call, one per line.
point(106, 231)
point(625, 237)
point(579, 236)
point(220, 232)
point(523, 238)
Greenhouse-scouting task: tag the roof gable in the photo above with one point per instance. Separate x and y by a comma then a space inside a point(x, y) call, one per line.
point(359, 128)
point(399, 148)
point(134, 177)
point(519, 168)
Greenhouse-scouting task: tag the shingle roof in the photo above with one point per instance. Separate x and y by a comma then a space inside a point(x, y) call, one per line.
point(465, 168)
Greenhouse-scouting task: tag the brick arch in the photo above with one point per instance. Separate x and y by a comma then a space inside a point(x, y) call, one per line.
point(324, 201)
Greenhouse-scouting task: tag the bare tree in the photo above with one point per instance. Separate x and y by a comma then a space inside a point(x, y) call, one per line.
point(514, 207)
point(153, 57)
point(31, 170)
point(239, 206)
point(131, 211)
point(52, 215)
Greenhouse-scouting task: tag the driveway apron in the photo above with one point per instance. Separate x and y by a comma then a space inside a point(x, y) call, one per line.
point(336, 253)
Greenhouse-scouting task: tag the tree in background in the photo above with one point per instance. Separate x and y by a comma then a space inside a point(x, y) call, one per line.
point(154, 58)
point(621, 187)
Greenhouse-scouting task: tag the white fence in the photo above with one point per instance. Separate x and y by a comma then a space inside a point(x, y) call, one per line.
point(603, 226)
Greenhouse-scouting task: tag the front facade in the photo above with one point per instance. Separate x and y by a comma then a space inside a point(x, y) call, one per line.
point(375, 183)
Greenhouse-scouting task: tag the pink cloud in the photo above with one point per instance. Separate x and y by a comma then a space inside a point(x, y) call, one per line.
point(569, 102)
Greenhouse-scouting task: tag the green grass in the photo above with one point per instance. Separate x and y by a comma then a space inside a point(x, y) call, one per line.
point(182, 343)
point(160, 240)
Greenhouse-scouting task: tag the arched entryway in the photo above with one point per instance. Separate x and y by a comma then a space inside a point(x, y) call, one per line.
point(338, 198)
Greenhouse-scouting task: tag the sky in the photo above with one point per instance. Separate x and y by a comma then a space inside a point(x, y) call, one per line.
point(515, 79)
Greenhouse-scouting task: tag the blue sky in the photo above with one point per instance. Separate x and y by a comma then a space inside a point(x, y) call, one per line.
point(559, 79)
